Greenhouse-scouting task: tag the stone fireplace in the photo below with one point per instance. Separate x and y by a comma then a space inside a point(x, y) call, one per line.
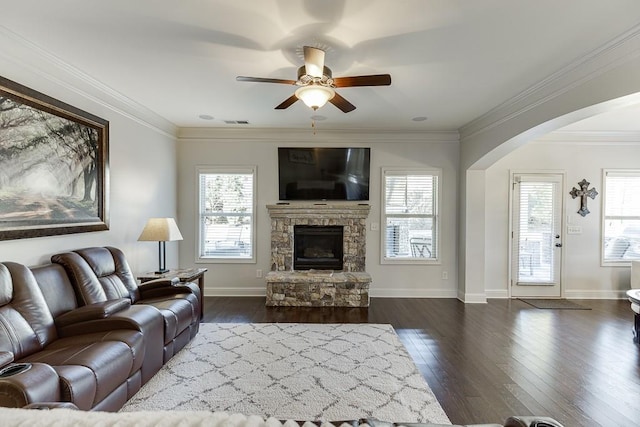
point(318, 253)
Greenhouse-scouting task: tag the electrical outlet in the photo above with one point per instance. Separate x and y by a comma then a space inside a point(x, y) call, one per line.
point(258, 273)
point(445, 275)
point(375, 226)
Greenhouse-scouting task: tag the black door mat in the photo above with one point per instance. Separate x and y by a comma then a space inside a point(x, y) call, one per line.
point(553, 304)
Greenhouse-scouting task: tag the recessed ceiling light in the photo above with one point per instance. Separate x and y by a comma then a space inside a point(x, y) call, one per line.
point(419, 119)
point(205, 117)
point(318, 118)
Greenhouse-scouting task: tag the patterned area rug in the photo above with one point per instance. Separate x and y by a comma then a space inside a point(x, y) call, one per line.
point(294, 371)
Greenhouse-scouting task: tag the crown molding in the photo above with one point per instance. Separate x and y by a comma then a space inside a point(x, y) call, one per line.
point(45, 65)
point(303, 135)
point(605, 58)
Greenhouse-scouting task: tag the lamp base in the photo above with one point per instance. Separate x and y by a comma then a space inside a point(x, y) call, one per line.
point(162, 258)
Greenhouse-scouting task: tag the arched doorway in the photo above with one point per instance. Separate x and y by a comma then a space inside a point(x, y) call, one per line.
point(570, 99)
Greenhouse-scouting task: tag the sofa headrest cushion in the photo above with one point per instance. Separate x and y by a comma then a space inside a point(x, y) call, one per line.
point(99, 259)
point(27, 316)
point(6, 285)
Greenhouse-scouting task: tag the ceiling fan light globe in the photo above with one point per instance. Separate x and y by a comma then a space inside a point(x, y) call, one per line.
point(315, 96)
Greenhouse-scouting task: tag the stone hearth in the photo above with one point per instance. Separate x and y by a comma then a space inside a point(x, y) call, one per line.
point(318, 289)
point(348, 287)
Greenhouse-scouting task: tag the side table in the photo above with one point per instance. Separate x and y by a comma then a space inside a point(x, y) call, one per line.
point(184, 275)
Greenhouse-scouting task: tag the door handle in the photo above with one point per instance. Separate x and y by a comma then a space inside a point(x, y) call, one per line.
point(558, 245)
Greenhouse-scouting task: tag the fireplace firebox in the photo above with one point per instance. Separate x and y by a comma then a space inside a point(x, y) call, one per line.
point(318, 247)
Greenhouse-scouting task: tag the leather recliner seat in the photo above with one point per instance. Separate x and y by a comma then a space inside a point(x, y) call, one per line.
point(101, 274)
point(70, 319)
point(95, 369)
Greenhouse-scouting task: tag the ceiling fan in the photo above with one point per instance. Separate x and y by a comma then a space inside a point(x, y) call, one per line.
point(317, 85)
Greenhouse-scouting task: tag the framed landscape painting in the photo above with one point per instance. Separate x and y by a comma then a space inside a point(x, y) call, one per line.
point(53, 166)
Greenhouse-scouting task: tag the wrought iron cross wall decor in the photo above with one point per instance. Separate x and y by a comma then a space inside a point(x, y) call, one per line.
point(583, 193)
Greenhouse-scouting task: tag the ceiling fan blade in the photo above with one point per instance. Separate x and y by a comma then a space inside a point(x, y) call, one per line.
point(372, 80)
point(264, 80)
point(342, 103)
point(313, 61)
point(287, 102)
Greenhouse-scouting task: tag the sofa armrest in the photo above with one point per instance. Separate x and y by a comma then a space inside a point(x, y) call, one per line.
point(166, 287)
point(6, 357)
point(38, 383)
point(137, 317)
point(100, 310)
point(177, 287)
point(158, 283)
point(193, 287)
point(169, 292)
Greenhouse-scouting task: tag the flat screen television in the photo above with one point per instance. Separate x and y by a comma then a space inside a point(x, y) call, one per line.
point(329, 173)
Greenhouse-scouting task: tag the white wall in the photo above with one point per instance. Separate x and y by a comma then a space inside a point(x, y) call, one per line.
point(222, 147)
point(142, 160)
point(582, 274)
point(145, 179)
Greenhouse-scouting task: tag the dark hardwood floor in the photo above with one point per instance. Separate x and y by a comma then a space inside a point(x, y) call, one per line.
point(485, 362)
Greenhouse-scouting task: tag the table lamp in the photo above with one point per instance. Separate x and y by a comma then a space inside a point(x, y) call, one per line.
point(160, 230)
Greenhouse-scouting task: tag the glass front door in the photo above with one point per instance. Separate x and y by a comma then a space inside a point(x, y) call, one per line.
point(536, 235)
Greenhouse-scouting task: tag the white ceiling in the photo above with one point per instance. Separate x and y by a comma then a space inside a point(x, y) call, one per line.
point(450, 60)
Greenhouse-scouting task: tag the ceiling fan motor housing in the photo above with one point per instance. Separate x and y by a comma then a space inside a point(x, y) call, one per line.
point(304, 79)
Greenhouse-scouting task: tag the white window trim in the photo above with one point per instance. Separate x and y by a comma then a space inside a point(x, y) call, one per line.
point(437, 207)
point(253, 169)
point(603, 262)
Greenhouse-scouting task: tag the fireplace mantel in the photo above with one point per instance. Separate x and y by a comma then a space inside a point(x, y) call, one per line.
point(318, 209)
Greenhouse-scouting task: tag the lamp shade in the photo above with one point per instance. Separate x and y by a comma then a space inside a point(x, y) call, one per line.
point(315, 96)
point(160, 230)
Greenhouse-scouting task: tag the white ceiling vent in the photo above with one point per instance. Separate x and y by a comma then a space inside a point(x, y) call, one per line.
point(236, 122)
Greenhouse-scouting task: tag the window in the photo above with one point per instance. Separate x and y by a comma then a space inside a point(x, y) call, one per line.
point(227, 201)
point(410, 215)
point(621, 228)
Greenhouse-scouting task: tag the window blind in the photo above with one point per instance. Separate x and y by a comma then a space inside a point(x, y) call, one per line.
point(410, 215)
point(621, 230)
point(226, 214)
point(534, 245)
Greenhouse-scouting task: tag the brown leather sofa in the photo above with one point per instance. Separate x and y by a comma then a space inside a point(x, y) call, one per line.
point(101, 274)
point(79, 339)
point(95, 369)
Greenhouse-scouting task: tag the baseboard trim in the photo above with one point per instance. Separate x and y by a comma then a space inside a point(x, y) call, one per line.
point(413, 293)
point(377, 293)
point(590, 294)
point(235, 292)
point(473, 298)
point(497, 293)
